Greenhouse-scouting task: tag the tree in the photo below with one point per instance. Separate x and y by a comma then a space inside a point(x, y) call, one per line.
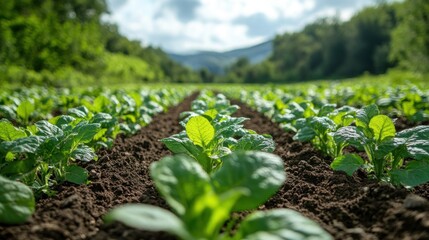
point(410, 43)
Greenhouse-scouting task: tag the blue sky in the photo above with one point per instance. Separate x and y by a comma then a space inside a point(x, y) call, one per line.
point(184, 26)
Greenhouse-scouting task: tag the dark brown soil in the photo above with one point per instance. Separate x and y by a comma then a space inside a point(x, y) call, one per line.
point(348, 207)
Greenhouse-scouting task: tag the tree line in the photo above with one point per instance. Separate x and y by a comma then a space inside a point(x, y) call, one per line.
point(61, 42)
point(377, 38)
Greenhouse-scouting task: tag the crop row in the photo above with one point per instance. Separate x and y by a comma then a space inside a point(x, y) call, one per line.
point(219, 168)
point(401, 158)
point(409, 101)
point(34, 157)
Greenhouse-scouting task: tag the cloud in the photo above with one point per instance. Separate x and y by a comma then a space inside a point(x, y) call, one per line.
point(191, 25)
point(185, 10)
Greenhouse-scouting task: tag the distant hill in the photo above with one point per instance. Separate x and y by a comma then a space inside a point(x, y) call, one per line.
point(216, 62)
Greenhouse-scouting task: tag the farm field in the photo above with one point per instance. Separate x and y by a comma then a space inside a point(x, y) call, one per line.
point(352, 205)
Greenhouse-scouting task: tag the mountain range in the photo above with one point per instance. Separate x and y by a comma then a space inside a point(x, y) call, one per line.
point(216, 62)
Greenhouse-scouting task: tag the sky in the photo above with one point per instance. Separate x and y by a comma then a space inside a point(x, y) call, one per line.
point(186, 26)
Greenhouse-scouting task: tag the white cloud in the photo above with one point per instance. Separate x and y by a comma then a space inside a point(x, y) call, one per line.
point(213, 25)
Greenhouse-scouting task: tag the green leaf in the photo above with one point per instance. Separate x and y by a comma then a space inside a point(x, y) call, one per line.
point(79, 112)
point(148, 217)
point(85, 132)
point(280, 224)
point(350, 135)
point(17, 169)
point(22, 145)
point(326, 109)
point(416, 141)
point(8, 132)
point(46, 128)
point(76, 174)
point(382, 126)
point(259, 172)
point(17, 202)
point(305, 134)
point(322, 124)
point(211, 113)
point(83, 153)
point(184, 145)
point(200, 131)
point(415, 173)
point(25, 109)
point(180, 180)
point(348, 163)
point(255, 142)
point(59, 121)
point(365, 115)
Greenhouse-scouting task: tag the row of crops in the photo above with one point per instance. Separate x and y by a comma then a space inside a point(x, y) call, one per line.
point(45, 133)
point(218, 167)
point(341, 131)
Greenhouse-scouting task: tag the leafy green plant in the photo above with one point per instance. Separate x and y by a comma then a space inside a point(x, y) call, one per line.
point(17, 202)
point(40, 155)
point(202, 202)
point(211, 133)
point(387, 150)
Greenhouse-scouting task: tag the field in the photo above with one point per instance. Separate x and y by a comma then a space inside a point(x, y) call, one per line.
point(373, 132)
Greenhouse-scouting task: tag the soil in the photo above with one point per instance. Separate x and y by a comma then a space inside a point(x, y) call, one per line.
point(348, 207)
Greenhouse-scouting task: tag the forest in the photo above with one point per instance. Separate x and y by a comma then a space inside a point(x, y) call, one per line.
point(66, 43)
point(374, 40)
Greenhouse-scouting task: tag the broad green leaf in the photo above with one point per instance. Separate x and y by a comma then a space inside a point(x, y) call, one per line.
point(262, 173)
point(180, 180)
point(326, 109)
point(7, 112)
point(415, 173)
point(18, 168)
point(148, 217)
point(211, 113)
point(76, 174)
point(8, 132)
point(200, 131)
point(322, 124)
point(280, 224)
point(350, 135)
point(177, 145)
point(83, 153)
point(305, 134)
point(17, 202)
point(255, 142)
point(365, 115)
point(209, 211)
point(59, 121)
point(85, 132)
point(382, 126)
point(25, 109)
point(80, 112)
point(46, 128)
point(22, 145)
point(348, 163)
point(408, 108)
point(416, 141)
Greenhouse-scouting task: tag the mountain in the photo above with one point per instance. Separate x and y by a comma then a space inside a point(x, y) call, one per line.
point(216, 62)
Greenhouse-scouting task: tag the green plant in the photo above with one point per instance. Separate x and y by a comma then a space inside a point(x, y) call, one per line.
point(211, 133)
point(387, 150)
point(202, 202)
point(16, 201)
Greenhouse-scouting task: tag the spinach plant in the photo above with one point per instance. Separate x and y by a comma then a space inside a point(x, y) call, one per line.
point(40, 155)
point(202, 203)
point(211, 133)
point(387, 151)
